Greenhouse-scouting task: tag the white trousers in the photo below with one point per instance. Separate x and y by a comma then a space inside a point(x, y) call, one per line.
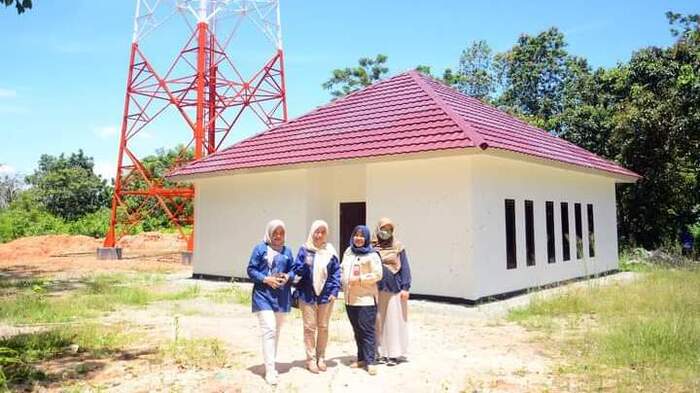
point(270, 324)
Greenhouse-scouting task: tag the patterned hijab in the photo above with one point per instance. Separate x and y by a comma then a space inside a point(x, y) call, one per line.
point(389, 249)
point(367, 246)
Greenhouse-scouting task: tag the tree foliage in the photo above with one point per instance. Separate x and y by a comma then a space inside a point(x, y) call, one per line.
point(534, 73)
point(346, 80)
point(20, 5)
point(475, 76)
point(10, 188)
point(68, 187)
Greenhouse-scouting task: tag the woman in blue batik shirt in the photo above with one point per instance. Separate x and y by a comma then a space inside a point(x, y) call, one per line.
point(270, 269)
point(317, 270)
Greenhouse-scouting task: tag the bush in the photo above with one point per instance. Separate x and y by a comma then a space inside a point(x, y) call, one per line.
point(93, 224)
point(26, 217)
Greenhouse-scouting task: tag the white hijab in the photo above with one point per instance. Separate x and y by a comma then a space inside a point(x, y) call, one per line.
point(322, 256)
point(271, 227)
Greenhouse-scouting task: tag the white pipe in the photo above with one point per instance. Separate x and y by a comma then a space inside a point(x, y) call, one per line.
point(279, 27)
point(135, 37)
point(203, 11)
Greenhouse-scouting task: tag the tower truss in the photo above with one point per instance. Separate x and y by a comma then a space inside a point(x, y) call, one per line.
point(204, 90)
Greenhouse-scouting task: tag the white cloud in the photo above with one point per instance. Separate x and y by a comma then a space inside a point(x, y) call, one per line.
point(105, 169)
point(7, 169)
point(7, 93)
point(105, 132)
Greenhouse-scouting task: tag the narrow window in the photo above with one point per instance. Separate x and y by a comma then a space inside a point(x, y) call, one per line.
point(551, 253)
point(579, 231)
point(529, 233)
point(591, 232)
point(511, 262)
point(565, 231)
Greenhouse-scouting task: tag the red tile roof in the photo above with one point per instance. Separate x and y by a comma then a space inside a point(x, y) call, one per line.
point(408, 113)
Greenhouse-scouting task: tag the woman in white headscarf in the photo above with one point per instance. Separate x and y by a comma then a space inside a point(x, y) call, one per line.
point(270, 269)
point(392, 307)
point(317, 270)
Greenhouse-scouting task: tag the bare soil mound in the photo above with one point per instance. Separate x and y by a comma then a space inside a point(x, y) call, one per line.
point(47, 245)
point(149, 241)
point(65, 245)
point(66, 256)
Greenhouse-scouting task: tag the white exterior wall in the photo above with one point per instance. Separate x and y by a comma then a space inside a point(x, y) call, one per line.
point(231, 213)
point(496, 179)
point(429, 201)
point(330, 186)
point(449, 212)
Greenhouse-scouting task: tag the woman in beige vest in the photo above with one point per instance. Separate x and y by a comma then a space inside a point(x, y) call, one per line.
point(360, 271)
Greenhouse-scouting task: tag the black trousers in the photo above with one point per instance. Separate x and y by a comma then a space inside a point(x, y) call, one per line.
point(363, 319)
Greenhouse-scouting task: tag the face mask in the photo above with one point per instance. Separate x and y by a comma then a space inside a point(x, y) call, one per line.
point(384, 234)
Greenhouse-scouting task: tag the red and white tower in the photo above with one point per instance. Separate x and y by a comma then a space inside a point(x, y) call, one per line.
point(192, 83)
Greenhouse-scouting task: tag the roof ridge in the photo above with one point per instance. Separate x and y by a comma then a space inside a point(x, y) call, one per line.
point(474, 135)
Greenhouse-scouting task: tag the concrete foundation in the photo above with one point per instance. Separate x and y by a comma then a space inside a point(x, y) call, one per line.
point(109, 253)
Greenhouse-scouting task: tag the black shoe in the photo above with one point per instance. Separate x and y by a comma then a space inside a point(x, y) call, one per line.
point(381, 360)
point(391, 362)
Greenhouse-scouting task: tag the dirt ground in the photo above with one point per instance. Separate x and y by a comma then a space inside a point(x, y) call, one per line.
point(452, 348)
point(62, 256)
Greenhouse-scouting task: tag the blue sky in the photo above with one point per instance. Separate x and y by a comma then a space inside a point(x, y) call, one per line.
point(64, 68)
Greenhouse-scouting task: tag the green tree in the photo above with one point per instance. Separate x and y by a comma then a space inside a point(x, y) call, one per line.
point(424, 69)
point(645, 115)
point(10, 188)
point(448, 76)
point(21, 5)
point(68, 187)
point(475, 76)
point(346, 80)
point(658, 134)
point(533, 74)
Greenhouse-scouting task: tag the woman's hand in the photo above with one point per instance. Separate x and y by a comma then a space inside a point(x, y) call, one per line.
point(331, 298)
point(404, 295)
point(273, 282)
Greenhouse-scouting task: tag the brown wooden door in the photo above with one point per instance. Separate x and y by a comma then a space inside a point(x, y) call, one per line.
point(352, 214)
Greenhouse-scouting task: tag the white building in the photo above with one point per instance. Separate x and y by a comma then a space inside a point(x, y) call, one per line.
point(482, 200)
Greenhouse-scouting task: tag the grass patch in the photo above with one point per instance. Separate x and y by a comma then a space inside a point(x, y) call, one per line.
point(639, 335)
point(231, 294)
point(67, 303)
point(22, 284)
point(191, 292)
point(97, 294)
point(203, 353)
point(20, 354)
